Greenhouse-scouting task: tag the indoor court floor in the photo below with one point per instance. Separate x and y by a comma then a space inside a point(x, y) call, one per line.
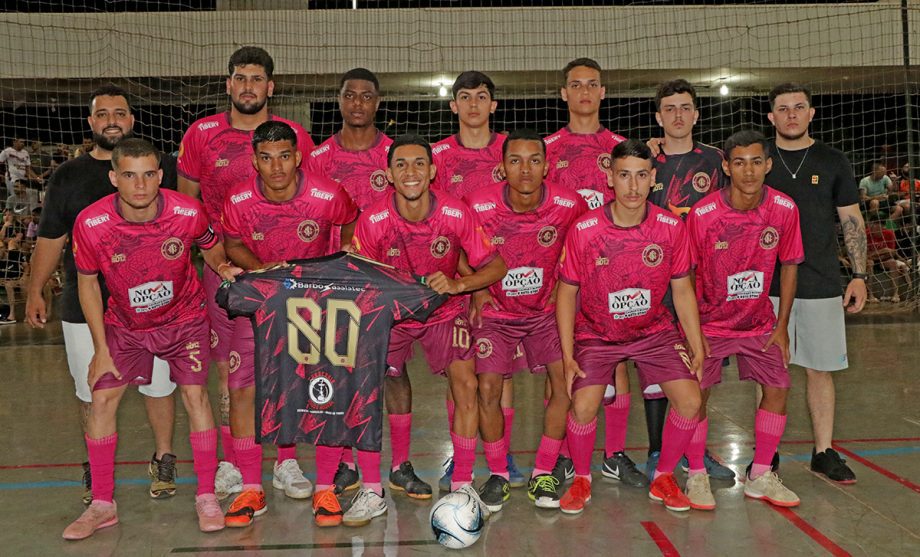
point(878, 430)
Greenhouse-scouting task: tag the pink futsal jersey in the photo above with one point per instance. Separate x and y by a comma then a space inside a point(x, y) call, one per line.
point(462, 171)
point(363, 174)
point(578, 161)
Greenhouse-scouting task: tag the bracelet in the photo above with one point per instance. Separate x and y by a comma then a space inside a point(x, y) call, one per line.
point(862, 276)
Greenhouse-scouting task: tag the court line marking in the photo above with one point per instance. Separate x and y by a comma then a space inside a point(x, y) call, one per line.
point(881, 470)
point(295, 546)
point(661, 539)
point(811, 531)
point(912, 421)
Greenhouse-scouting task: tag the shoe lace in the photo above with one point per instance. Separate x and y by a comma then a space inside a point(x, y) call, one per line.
point(290, 471)
point(166, 470)
point(669, 486)
point(625, 462)
point(327, 499)
point(249, 498)
point(546, 482)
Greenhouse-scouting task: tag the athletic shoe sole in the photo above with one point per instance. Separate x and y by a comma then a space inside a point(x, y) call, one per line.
point(363, 522)
point(545, 503)
point(257, 513)
point(783, 504)
point(669, 507)
point(278, 485)
point(418, 496)
point(824, 476)
point(576, 511)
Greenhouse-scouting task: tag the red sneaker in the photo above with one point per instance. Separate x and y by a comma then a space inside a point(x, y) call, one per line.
point(574, 500)
point(327, 511)
point(666, 490)
point(247, 505)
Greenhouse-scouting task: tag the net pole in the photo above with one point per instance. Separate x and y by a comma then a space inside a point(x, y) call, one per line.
point(905, 33)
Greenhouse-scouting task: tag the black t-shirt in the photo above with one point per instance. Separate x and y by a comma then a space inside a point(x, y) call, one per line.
point(824, 182)
point(74, 186)
point(322, 329)
point(682, 180)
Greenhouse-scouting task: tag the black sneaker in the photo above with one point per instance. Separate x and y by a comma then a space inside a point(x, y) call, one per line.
point(619, 466)
point(345, 479)
point(87, 484)
point(774, 466)
point(543, 490)
point(564, 469)
point(495, 492)
point(831, 464)
point(404, 479)
point(162, 476)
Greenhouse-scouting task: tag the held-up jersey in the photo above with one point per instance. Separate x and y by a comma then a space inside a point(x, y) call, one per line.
point(461, 170)
point(682, 180)
point(578, 161)
point(298, 228)
point(734, 253)
point(623, 273)
point(322, 329)
point(529, 243)
point(363, 174)
point(146, 265)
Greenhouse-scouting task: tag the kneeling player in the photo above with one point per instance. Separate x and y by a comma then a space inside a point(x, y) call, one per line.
point(140, 239)
point(738, 234)
point(617, 264)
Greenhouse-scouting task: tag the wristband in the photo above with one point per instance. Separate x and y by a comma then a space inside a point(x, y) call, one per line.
point(862, 276)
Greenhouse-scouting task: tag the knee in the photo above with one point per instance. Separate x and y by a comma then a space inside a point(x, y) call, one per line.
point(583, 411)
point(194, 396)
point(688, 406)
point(490, 390)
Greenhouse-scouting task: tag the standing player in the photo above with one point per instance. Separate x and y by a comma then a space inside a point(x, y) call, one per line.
point(616, 267)
point(821, 182)
point(527, 220)
point(140, 239)
point(75, 185)
point(738, 235)
point(214, 156)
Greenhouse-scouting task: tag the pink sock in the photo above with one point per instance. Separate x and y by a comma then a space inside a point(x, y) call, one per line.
point(677, 434)
point(400, 437)
point(249, 461)
point(348, 457)
point(327, 462)
point(547, 453)
point(204, 456)
point(376, 488)
point(509, 422)
point(697, 448)
point(581, 441)
point(768, 430)
point(616, 415)
point(496, 457)
point(102, 466)
point(451, 409)
point(226, 441)
point(464, 459)
point(369, 462)
point(286, 452)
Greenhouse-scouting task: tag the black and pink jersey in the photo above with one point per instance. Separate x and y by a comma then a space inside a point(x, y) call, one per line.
point(363, 174)
point(735, 253)
point(623, 273)
point(219, 156)
point(461, 170)
point(682, 180)
point(578, 161)
point(146, 265)
point(322, 329)
point(298, 228)
point(530, 244)
point(430, 245)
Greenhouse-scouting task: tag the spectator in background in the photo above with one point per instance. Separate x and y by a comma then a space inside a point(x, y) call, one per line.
point(22, 200)
point(10, 227)
point(873, 194)
point(882, 251)
point(18, 164)
point(88, 145)
point(41, 161)
point(903, 186)
point(32, 225)
point(13, 264)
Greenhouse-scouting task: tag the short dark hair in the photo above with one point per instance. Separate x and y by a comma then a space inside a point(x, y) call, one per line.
point(877, 164)
point(631, 148)
point(472, 80)
point(523, 134)
point(363, 74)
point(674, 87)
point(408, 139)
point(785, 89)
point(251, 55)
point(746, 138)
point(135, 148)
point(271, 131)
point(109, 90)
point(586, 62)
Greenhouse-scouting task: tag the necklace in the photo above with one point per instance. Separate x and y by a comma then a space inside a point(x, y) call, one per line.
point(796, 173)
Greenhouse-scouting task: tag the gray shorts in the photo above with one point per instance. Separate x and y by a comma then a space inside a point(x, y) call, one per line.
point(817, 333)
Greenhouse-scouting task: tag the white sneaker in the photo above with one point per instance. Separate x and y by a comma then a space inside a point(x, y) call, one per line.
point(771, 489)
point(471, 491)
point(699, 492)
point(365, 506)
point(227, 481)
point(289, 477)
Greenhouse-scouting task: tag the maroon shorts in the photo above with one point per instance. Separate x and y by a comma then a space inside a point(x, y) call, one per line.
point(754, 364)
point(499, 341)
point(659, 358)
point(184, 346)
point(442, 342)
point(231, 340)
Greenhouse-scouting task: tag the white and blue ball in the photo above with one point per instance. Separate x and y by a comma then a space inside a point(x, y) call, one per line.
point(456, 520)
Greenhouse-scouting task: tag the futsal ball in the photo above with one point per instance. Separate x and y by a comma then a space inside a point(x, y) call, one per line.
point(456, 520)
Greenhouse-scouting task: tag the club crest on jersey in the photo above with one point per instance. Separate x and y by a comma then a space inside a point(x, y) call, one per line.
point(378, 180)
point(172, 248)
point(547, 236)
point(629, 302)
point(604, 162)
point(308, 230)
point(652, 255)
point(701, 182)
point(321, 390)
point(483, 348)
point(745, 285)
point(214, 338)
point(440, 246)
point(234, 361)
point(497, 173)
point(769, 238)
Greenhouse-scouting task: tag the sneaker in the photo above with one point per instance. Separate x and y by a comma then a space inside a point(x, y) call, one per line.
point(444, 482)
point(666, 490)
point(578, 495)
point(514, 475)
point(470, 491)
point(831, 464)
point(87, 484)
point(210, 517)
point(771, 489)
point(366, 506)
point(227, 481)
point(619, 466)
point(243, 510)
point(495, 492)
point(564, 469)
point(289, 477)
point(162, 476)
point(651, 465)
point(543, 490)
point(714, 468)
point(327, 511)
point(699, 493)
point(98, 515)
point(404, 479)
point(345, 479)
point(774, 465)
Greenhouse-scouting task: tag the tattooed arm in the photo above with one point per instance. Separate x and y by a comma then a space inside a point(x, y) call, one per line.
point(854, 238)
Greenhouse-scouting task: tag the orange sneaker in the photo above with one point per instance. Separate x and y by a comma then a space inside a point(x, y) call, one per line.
point(327, 511)
point(666, 490)
point(574, 500)
point(247, 505)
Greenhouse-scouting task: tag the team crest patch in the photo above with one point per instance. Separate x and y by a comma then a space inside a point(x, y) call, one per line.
point(547, 236)
point(234, 361)
point(652, 255)
point(701, 182)
point(321, 390)
point(172, 248)
point(604, 162)
point(769, 238)
point(214, 339)
point(308, 230)
point(440, 246)
point(483, 348)
point(379, 180)
point(497, 173)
